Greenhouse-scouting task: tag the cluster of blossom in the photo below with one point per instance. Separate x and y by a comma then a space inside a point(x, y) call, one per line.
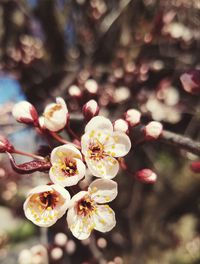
point(100, 149)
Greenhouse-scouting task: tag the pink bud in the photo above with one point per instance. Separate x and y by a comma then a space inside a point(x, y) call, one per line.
point(120, 125)
point(195, 166)
point(90, 109)
point(5, 145)
point(132, 116)
point(191, 81)
point(146, 176)
point(24, 112)
point(153, 130)
point(91, 86)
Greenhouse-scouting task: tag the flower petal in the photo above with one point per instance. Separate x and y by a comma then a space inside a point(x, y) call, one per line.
point(67, 150)
point(121, 145)
point(104, 218)
point(80, 226)
point(107, 167)
point(103, 190)
point(99, 122)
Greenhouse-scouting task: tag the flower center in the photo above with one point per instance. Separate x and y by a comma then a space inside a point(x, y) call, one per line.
point(69, 167)
point(48, 199)
point(96, 150)
point(53, 109)
point(85, 206)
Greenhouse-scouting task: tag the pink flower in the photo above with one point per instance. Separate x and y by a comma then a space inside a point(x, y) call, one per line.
point(191, 81)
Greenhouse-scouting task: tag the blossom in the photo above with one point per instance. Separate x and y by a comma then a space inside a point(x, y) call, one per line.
point(67, 165)
point(45, 204)
point(120, 125)
point(55, 115)
point(153, 130)
point(191, 81)
point(90, 109)
point(101, 145)
point(132, 116)
point(35, 255)
point(88, 210)
point(146, 176)
point(24, 112)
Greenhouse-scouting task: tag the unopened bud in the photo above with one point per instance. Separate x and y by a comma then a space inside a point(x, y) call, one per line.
point(120, 125)
point(91, 86)
point(55, 115)
point(153, 130)
point(5, 145)
point(90, 109)
point(24, 112)
point(195, 166)
point(132, 116)
point(146, 176)
point(191, 81)
point(74, 91)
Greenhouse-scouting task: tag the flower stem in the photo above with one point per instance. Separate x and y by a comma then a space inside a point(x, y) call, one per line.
point(16, 151)
point(62, 140)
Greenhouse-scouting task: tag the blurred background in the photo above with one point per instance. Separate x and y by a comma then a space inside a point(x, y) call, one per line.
point(124, 54)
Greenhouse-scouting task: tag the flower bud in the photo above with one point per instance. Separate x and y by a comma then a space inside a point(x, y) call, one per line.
point(146, 176)
point(24, 112)
point(120, 125)
point(195, 166)
point(90, 109)
point(91, 86)
point(74, 91)
point(132, 116)
point(55, 115)
point(191, 81)
point(153, 130)
point(5, 145)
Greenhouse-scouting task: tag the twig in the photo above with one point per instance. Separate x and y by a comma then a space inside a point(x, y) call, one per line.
point(180, 141)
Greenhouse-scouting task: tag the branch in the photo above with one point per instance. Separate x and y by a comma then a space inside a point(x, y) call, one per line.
point(180, 141)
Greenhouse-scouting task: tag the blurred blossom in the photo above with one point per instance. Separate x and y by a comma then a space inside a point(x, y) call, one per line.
point(36, 255)
point(121, 94)
point(118, 260)
point(56, 253)
point(91, 86)
point(60, 239)
point(70, 247)
point(146, 176)
point(101, 242)
point(153, 130)
point(74, 91)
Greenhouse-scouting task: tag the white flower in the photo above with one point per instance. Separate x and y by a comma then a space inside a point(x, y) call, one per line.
point(67, 165)
point(153, 130)
point(120, 125)
point(45, 204)
point(100, 145)
point(132, 116)
point(88, 210)
point(56, 115)
point(25, 112)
